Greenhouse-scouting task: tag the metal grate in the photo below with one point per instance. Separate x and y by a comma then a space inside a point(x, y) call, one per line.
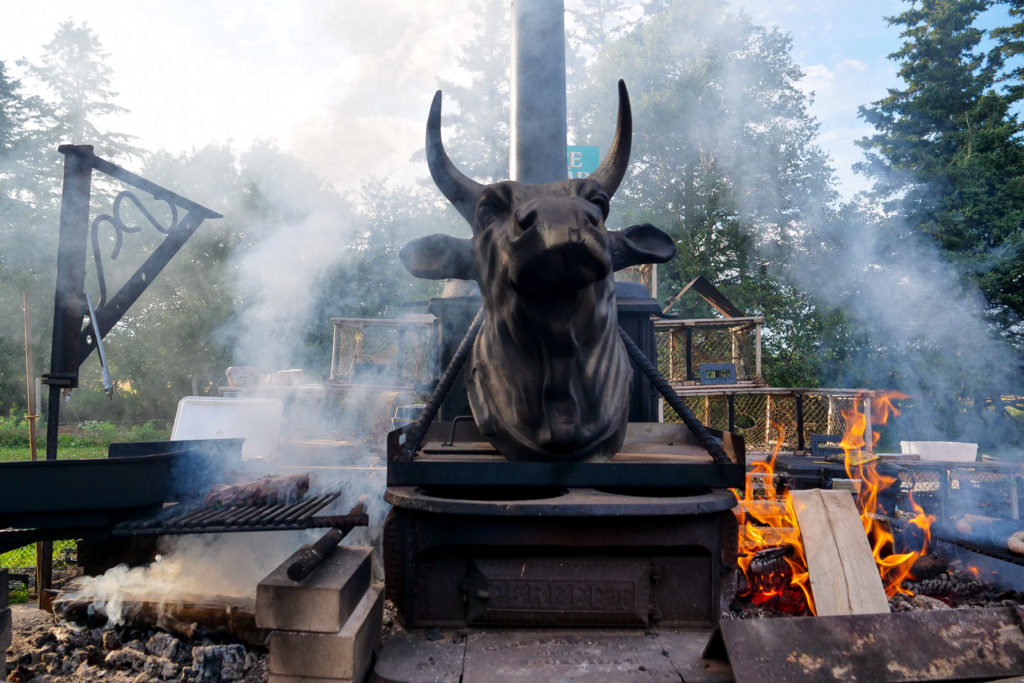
point(685, 345)
point(382, 351)
point(760, 416)
point(945, 490)
point(283, 516)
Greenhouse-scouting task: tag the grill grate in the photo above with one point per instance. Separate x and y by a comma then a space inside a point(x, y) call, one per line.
point(234, 518)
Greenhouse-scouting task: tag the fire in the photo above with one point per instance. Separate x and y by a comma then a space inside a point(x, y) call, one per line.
point(768, 523)
point(861, 464)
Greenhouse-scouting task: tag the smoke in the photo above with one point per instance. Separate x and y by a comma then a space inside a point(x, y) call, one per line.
point(724, 137)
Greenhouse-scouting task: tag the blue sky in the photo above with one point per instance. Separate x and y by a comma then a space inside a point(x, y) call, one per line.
point(344, 85)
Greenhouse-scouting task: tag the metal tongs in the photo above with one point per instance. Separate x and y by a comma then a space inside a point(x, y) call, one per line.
point(108, 385)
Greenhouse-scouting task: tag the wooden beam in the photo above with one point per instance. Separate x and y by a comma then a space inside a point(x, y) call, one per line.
point(843, 575)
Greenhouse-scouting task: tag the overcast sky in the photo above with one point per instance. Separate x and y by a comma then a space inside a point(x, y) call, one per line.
point(345, 85)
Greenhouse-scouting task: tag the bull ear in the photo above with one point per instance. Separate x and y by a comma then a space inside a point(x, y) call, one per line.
point(639, 244)
point(437, 257)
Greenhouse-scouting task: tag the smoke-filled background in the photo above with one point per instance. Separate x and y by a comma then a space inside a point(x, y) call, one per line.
point(304, 128)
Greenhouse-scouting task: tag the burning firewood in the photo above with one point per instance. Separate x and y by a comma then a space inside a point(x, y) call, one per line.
point(184, 616)
point(269, 490)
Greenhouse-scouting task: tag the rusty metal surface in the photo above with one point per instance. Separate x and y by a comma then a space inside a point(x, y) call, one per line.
point(609, 591)
point(429, 559)
point(941, 645)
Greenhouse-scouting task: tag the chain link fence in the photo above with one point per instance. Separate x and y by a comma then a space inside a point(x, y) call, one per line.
point(761, 416)
point(394, 352)
point(685, 345)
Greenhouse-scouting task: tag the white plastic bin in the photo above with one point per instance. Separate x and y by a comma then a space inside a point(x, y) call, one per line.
point(257, 420)
point(951, 451)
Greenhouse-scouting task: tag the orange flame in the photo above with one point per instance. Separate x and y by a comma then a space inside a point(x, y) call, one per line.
point(861, 464)
point(768, 519)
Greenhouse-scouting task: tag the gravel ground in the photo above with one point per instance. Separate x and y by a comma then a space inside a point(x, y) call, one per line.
point(44, 651)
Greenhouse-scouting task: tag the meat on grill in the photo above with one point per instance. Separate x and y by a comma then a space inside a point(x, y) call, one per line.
point(269, 490)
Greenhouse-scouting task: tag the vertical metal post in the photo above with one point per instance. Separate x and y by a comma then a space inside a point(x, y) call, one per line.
point(732, 412)
point(799, 422)
point(757, 352)
point(69, 297)
point(869, 446)
point(538, 128)
point(689, 354)
point(335, 353)
point(400, 357)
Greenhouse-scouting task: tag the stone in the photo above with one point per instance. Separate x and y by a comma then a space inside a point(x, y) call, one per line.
point(5, 588)
point(566, 656)
point(323, 601)
point(408, 658)
point(345, 655)
point(126, 658)
point(218, 662)
point(167, 646)
point(111, 641)
point(160, 667)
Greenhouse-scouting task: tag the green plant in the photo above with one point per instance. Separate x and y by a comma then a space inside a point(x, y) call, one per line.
point(13, 431)
point(148, 432)
point(103, 432)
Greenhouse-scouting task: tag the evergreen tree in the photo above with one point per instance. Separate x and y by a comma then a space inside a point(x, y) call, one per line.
point(947, 158)
point(78, 81)
point(723, 160)
point(475, 117)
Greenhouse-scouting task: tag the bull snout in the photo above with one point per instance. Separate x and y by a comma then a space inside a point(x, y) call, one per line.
point(558, 244)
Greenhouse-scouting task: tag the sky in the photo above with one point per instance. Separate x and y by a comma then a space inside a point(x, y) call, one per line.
point(345, 85)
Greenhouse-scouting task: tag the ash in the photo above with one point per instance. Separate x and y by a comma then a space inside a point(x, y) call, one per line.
point(45, 651)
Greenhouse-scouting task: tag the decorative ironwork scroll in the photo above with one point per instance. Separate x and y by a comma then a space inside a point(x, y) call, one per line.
point(73, 342)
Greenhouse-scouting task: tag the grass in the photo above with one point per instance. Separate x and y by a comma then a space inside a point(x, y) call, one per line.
point(86, 440)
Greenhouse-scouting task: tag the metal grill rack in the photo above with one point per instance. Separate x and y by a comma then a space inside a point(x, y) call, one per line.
point(234, 518)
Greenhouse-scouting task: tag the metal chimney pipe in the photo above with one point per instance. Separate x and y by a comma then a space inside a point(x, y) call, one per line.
point(538, 127)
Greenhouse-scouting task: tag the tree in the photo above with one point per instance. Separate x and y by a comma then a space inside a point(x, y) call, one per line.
point(78, 81)
point(723, 158)
point(947, 158)
point(475, 117)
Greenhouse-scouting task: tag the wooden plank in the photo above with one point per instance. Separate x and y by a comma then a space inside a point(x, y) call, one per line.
point(843, 575)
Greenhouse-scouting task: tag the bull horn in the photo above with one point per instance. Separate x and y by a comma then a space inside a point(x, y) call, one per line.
point(613, 167)
point(457, 188)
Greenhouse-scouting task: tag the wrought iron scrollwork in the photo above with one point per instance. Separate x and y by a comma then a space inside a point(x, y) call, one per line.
point(117, 221)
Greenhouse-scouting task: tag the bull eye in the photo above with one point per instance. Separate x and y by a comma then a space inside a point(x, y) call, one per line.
point(492, 205)
point(526, 219)
point(600, 200)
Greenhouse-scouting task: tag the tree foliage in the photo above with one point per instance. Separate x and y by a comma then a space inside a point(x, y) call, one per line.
point(947, 157)
point(723, 159)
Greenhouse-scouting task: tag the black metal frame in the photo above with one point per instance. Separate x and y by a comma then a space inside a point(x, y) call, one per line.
point(72, 342)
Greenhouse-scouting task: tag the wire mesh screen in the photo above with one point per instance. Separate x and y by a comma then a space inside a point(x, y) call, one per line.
point(768, 419)
point(949, 491)
point(708, 344)
point(21, 564)
point(380, 353)
point(823, 414)
point(641, 273)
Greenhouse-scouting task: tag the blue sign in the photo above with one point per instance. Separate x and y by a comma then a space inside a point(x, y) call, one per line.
point(582, 160)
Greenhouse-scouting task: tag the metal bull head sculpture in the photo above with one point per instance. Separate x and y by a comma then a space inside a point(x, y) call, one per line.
point(548, 377)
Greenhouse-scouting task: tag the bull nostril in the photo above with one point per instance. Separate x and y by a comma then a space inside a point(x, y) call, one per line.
point(526, 219)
